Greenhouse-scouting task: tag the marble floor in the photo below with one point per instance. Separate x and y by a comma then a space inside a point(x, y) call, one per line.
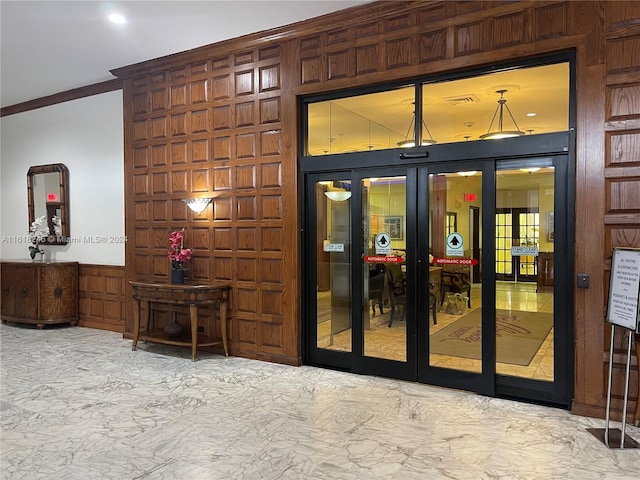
point(77, 403)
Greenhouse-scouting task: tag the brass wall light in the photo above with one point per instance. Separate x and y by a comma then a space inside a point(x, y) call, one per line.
point(197, 204)
point(501, 133)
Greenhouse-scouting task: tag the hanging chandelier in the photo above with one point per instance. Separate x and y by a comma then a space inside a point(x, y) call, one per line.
point(411, 142)
point(501, 132)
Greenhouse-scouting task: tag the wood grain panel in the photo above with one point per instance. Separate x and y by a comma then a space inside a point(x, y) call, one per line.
point(338, 36)
point(271, 175)
point(270, 110)
point(222, 239)
point(200, 121)
point(468, 38)
point(245, 114)
point(158, 127)
point(246, 269)
point(222, 208)
point(338, 64)
point(159, 155)
point(221, 148)
point(271, 207)
point(270, 143)
point(141, 157)
point(550, 21)
point(269, 78)
point(246, 177)
point(271, 302)
point(246, 208)
point(399, 52)
point(101, 293)
point(433, 45)
point(178, 153)
point(623, 54)
point(246, 239)
point(179, 96)
point(509, 30)
point(620, 14)
point(246, 145)
point(367, 59)
point(623, 101)
point(221, 87)
point(199, 92)
point(159, 100)
point(624, 195)
point(222, 178)
point(200, 151)
point(271, 271)
point(222, 117)
point(160, 184)
point(200, 180)
point(311, 70)
point(179, 182)
point(246, 300)
point(623, 147)
point(244, 82)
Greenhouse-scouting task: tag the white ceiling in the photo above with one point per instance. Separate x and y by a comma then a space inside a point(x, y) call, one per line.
point(47, 47)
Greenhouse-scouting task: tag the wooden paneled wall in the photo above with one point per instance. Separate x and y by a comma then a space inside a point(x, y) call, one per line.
point(220, 121)
point(101, 297)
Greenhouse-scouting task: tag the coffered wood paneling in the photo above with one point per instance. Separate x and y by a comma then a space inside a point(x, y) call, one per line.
point(214, 128)
point(101, 291)
point(221, 121)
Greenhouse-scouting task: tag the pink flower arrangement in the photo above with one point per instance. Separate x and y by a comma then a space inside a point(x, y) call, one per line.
point(177, 253)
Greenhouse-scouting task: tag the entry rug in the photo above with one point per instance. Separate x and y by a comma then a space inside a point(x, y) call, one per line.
point(518, 336)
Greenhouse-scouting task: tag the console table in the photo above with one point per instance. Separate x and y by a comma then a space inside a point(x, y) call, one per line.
point(191, 295)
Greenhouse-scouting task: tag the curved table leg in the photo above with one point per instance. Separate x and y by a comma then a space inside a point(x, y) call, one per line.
point(193, 316)
point(223, 325)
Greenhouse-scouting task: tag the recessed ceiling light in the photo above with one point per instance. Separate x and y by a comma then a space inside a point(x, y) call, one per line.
point(531, 114)
point(117, 18)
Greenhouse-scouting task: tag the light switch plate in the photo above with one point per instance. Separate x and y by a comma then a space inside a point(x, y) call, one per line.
point(583, 280)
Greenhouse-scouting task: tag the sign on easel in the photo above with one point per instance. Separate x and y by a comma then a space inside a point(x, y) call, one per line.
point(622, 311)
point(624, 289)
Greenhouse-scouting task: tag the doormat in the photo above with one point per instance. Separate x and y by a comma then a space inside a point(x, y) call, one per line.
point(518, 336)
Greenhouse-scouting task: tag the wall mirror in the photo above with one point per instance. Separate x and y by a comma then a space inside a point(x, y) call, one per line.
point(48, 194)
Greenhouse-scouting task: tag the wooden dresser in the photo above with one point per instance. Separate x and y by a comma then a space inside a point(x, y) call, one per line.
point(40, 293)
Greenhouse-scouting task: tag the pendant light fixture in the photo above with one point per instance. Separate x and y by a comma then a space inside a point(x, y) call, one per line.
point(411, 142)
point(501, 132)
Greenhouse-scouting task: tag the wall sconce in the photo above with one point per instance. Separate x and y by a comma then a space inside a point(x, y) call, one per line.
point(411, 142)
point(501, 133)
point(197, 204)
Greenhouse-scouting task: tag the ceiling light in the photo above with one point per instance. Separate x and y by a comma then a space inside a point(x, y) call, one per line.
point(117, 18)
point(469, 173)
point(501, 132)
point(197, 204)
point(411, 142)
point(531, 114)
point(338, 196)
point(530, 169)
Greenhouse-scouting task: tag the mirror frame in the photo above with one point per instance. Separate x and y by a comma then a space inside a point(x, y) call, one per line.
point(63, 177)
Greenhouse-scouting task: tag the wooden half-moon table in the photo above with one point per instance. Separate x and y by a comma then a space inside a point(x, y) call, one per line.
point(188, 294)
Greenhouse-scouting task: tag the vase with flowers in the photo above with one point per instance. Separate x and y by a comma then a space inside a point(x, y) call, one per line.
point(178, 255)
point(38, 233)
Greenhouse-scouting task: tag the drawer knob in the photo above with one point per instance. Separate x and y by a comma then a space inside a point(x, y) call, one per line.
point(24, 292)
point(57, 292)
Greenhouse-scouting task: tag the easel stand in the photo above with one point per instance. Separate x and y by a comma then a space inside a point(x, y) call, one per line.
point(616, 438)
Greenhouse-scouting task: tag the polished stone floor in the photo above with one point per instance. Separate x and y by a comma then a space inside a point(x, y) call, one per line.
point(77, 403)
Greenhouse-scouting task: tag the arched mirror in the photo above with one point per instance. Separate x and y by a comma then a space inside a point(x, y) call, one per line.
point(48, 193)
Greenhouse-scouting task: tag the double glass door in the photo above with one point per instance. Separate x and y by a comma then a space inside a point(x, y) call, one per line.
point(403, 275)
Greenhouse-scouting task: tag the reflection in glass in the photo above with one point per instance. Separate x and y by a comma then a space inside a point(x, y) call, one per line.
point(384, 289)
point(333, 248)
point(455, 340)
point(452, 111)
point(524, 263)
